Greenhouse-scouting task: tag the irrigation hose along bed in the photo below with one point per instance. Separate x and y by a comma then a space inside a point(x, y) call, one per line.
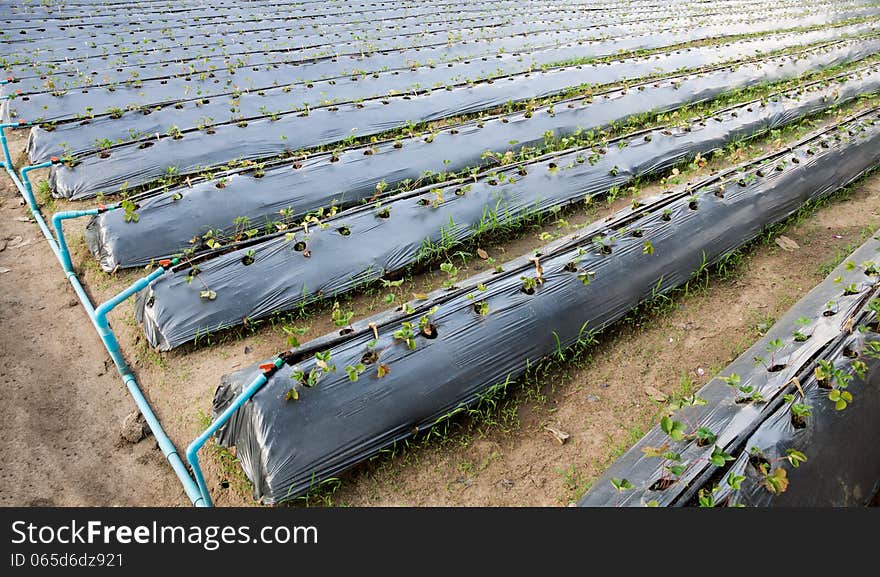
point(145, 108)
point(139, 162)
point(67, 102)
point(210, 211)
point(345, 397)
point(791, 422)
point(158, 61)
point(329, 258)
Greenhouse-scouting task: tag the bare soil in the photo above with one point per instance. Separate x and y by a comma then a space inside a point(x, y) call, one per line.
point(63, 405)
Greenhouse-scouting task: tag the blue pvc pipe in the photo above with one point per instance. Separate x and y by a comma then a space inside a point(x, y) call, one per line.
point(192, 452)
point(57, 218)
point(7, 158)
point(99, 319)
point(28, 190)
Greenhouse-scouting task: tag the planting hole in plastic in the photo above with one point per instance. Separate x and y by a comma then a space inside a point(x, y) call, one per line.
point(662, 484)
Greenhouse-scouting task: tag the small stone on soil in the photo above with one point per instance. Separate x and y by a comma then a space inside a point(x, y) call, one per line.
point(786, 243)
point(247, 350)
point(558, 434)
point(592, 398)
point(134, 428)
point(604, 385)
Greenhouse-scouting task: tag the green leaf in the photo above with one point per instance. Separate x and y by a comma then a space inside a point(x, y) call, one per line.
point(208, 294)
point(706, 434)
point(707, 498)
point(621, 484)
point(672, 456)
point(840, 405)
point(834, 395)
point(777, 481)
point(733, 380)
point(677, 470)
point(719, 457)
point(675, 429)
point(734, 481)
point(795, 457)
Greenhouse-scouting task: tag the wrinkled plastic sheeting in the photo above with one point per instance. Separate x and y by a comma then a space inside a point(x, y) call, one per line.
point(843, 458)
point(189, 116)
point(315, 48)
point(282, 89)
point(187, 213)
point(77, 73)
point(366, 243)
point(279, 30)
point(161, 63)
point(130, 165)
point(165, 63)
point(310, 60)
point(409, 24)
point(268, 70)
point(405, 20)
point(485, 337)
point(843, 467)
point(279, 37)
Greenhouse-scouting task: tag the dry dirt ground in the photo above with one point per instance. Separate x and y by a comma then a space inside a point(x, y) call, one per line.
point(62, 404)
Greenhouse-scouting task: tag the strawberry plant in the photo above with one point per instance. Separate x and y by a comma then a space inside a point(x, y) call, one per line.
point(342, 318)
point(620, 485)
point(798, 334)
point(354, 370)
point(799, 412)
point(745, 393)
point(129, 207)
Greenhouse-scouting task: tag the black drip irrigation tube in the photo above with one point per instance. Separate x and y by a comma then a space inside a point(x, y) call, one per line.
point(317, 46)
point(275, 33)
point(317, 60)
point(335, 255)
point(796, 428)
point(344, 397)
point(113, 111)
point(240, 205)
point(129, 165)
